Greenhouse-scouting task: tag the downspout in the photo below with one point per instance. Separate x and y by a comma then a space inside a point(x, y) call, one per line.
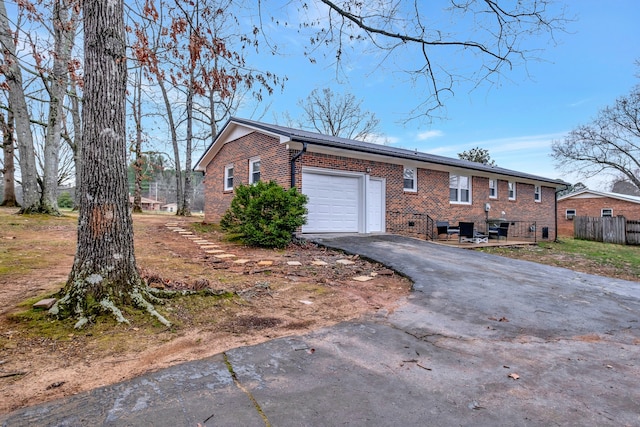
point(293, 164)
point(555, 210)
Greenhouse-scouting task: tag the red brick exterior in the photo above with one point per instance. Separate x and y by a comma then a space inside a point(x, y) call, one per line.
point(274, 159)
point(592, 206)
point(431, 197)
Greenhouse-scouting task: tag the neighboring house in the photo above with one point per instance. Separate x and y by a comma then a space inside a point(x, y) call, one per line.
point(361, 187)
point(169, 207)
point(146, 204)
point(594, 204)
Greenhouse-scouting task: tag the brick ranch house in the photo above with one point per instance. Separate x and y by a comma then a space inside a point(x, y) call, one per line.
point(594, 204)
point(361, 187)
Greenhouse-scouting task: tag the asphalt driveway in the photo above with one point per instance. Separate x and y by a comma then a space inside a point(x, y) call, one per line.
point(482, 340)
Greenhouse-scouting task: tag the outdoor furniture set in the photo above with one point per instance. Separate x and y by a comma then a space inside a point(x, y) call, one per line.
point(467, 232)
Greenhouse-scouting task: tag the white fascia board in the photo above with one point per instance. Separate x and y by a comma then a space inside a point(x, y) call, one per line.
point(230, 133)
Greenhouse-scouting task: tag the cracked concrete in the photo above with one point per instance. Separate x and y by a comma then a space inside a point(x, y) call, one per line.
point(482, 340)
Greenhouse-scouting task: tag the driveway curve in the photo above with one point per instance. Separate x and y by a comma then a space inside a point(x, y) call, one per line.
point(482, 340)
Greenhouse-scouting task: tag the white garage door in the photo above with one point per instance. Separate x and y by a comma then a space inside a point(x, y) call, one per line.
point(333, 203)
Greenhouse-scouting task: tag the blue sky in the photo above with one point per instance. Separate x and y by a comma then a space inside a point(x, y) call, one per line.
point(515, 119)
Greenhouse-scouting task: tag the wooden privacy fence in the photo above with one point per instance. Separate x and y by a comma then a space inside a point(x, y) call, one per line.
point(608, 229)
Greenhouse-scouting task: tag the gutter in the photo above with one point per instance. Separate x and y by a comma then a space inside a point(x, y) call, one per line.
point(293, 164)
point(555, 208)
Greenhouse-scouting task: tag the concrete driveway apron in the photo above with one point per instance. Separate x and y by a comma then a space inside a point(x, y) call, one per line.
point(482, 340)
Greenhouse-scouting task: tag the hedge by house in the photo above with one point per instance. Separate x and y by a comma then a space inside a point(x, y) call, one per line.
point(265, 214)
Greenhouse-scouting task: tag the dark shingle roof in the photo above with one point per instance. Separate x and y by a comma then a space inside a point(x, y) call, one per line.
point(385, 150)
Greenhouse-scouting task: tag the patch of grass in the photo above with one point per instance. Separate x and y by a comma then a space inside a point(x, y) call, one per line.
point(619, 256)
point(197, 309)
point(621, 261)
point(202, 227)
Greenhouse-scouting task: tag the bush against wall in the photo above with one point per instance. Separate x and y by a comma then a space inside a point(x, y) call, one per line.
point(265, 214)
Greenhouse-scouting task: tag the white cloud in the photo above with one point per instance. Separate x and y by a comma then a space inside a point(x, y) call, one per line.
point(423, 136)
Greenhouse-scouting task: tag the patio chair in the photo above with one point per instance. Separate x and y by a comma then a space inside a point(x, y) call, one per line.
point(503, 230)
point(466, 232)
point(443, 228)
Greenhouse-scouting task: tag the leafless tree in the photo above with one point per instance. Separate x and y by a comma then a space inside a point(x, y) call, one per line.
point(438, 36)
point(337, 115)
point(22, 121)
point(610, 143)
point(8, 168)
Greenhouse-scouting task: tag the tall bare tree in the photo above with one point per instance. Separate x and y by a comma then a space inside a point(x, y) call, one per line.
point(427, 40)
point(193, 50)
point(610, 143)
point(337, 115)
point(64, 28)
point(24, 137)
point(8, 167)
point(104, 273)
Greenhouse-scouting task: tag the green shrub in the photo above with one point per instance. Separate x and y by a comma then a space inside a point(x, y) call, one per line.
point(65, 200)
point(265, 214)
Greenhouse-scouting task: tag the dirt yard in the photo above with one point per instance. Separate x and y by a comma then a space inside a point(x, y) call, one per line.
point(269, 294)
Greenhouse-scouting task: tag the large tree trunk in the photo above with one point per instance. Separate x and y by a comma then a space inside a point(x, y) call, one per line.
point(13, 77)
point(104, 273)
point(64, 31)
point(9, 197)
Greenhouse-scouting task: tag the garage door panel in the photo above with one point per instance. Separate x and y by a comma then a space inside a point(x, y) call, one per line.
point(333, 202)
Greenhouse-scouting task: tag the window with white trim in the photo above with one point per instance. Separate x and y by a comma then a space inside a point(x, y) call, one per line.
point(254, 170)
point(459, 189)
point(536, 193)
point(409, 179)
point(607, 212)
point(493, 188)
point(570, 213)
point(512, 190)
point(228, 177)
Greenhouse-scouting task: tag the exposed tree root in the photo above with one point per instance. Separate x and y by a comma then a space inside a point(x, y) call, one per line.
point(75, 303)
point(40, 209)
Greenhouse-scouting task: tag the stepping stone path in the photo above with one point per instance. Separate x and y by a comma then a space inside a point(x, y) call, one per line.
point(215, 250)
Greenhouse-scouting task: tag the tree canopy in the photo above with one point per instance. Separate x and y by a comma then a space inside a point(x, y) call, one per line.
point(478, 155)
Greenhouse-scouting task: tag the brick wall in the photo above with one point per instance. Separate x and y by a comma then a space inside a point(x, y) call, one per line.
point(593, 207)
point(274, 165)
point(431, 197)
